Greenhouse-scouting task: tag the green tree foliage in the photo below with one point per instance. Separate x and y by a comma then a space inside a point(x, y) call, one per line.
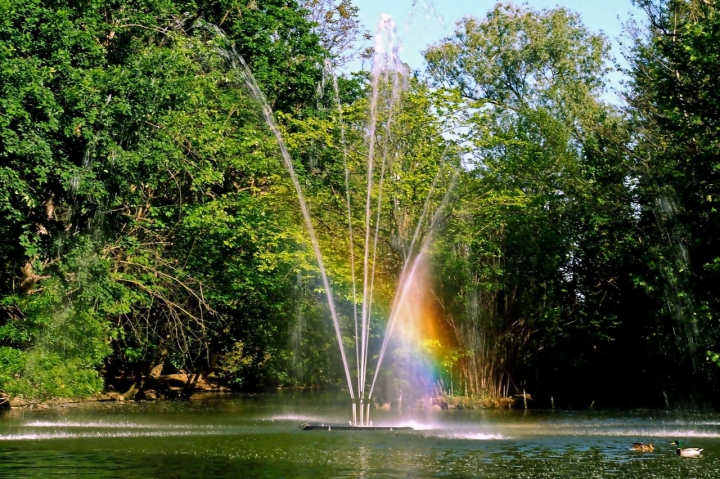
point(148, 224)
point(673, 99)
point(125, 137)
point(276, 40)
point(540, 241)
point(53, 342)
point(337, 25)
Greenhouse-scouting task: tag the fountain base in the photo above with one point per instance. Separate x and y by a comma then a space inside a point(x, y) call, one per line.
point(348, 427)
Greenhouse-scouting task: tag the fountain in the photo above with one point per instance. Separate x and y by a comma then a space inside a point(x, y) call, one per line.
point(388, 68)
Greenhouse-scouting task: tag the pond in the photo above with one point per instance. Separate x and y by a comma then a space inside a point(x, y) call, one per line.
point(259, 436)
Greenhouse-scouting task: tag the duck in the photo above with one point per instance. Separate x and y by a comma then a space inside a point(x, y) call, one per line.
point(686, 451)
point(639, 446)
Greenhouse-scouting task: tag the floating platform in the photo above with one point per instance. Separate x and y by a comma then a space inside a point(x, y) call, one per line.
point(348, 427)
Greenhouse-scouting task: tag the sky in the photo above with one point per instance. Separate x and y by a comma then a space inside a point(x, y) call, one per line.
point(431, 20)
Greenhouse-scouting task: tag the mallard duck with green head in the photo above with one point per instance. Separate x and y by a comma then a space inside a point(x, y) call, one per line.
point(639, 446)
point(686, 451)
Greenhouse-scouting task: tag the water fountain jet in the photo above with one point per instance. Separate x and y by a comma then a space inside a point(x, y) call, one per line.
point(386, 66)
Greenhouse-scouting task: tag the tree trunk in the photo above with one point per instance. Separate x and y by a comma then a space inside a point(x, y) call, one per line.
point(153, 371)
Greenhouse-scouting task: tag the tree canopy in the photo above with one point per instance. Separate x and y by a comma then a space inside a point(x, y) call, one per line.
point(149, 226)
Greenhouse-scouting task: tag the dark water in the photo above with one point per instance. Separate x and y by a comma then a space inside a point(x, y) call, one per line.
point(259, 437)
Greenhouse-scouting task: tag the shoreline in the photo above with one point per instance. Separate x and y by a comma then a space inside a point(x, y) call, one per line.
point(438, 403)
point(7, 403)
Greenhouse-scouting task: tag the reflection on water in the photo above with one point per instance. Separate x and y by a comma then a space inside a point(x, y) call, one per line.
point(244, 436)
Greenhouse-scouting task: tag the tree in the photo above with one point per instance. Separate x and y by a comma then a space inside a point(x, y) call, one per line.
point(543, 236)
point(127, 139)
point(338, 26)
point(672, 98)
point(276, 40)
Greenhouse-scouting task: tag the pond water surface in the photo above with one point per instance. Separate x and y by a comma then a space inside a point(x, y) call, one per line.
point(246, 436)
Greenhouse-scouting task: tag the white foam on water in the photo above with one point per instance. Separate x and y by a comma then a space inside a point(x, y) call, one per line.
point(297, 417)
point(100, 435)
point(114, 425)
point(473, 436)
point(669, 433)
point(37, 436)
point(694, 423)
point(650, 423)
point(418, 426)
point(483, 437)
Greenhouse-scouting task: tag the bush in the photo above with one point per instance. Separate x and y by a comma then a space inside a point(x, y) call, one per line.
point(55, 339)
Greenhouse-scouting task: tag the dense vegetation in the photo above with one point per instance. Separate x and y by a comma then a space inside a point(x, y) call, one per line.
point(148, 224)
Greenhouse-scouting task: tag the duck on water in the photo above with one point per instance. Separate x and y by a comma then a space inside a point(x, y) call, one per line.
point(686, 451)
